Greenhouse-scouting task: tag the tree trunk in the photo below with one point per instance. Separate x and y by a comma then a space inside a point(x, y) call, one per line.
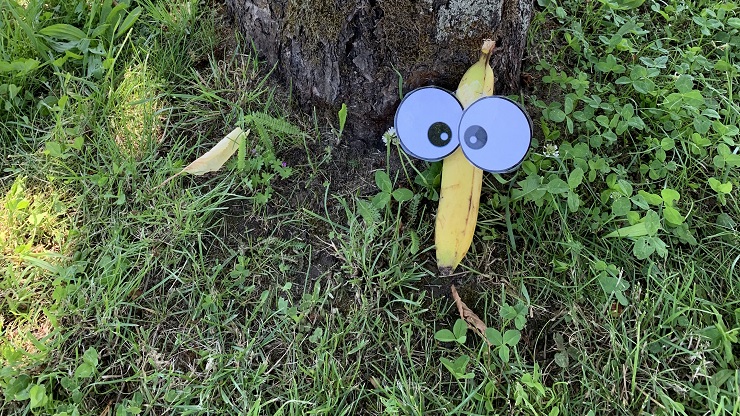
point(354, 51)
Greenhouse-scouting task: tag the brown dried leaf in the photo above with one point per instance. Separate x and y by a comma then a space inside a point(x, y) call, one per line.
point(106, 411)
point(215, 158)
point(474, 322)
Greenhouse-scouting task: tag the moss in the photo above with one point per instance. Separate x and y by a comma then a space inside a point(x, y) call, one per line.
point(318, 19)
point(462, 18)
point(405, 30)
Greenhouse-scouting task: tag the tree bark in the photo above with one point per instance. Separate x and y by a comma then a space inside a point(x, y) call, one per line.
point(356, 51)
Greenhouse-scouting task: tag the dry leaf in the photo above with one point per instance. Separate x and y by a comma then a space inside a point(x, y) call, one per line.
point(215, 158)
point(106, 411)
point(469, 316)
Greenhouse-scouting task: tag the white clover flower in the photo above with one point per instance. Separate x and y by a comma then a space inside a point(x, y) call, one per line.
point(551, 150)
point(390, 136)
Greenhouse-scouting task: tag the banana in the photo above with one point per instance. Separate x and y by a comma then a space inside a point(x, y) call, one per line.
point(461, 181)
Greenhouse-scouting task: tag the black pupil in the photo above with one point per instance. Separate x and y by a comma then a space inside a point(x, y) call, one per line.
point(476, 137)
point(440, 134)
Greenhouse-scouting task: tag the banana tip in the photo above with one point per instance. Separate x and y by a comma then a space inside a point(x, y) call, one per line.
point(445, 271)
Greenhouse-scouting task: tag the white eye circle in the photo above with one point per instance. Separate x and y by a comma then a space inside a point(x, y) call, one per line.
point(495, 134)
point(426, 123)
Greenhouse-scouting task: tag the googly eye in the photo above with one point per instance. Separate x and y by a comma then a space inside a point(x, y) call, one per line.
point(495, 134)
point(426, 123)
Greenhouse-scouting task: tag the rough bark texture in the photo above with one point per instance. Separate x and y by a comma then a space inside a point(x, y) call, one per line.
point(353, 51)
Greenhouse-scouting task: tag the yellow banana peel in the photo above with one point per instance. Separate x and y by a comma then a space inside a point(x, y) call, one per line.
point(461, 181)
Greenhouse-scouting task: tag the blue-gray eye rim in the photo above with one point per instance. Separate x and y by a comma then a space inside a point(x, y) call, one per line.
point(495, 134)
point(426, 123)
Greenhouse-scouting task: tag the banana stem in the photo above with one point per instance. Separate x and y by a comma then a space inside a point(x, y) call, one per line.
point(488, 46)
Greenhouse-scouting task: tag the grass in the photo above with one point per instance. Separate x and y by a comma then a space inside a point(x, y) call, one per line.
point(299, 283)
